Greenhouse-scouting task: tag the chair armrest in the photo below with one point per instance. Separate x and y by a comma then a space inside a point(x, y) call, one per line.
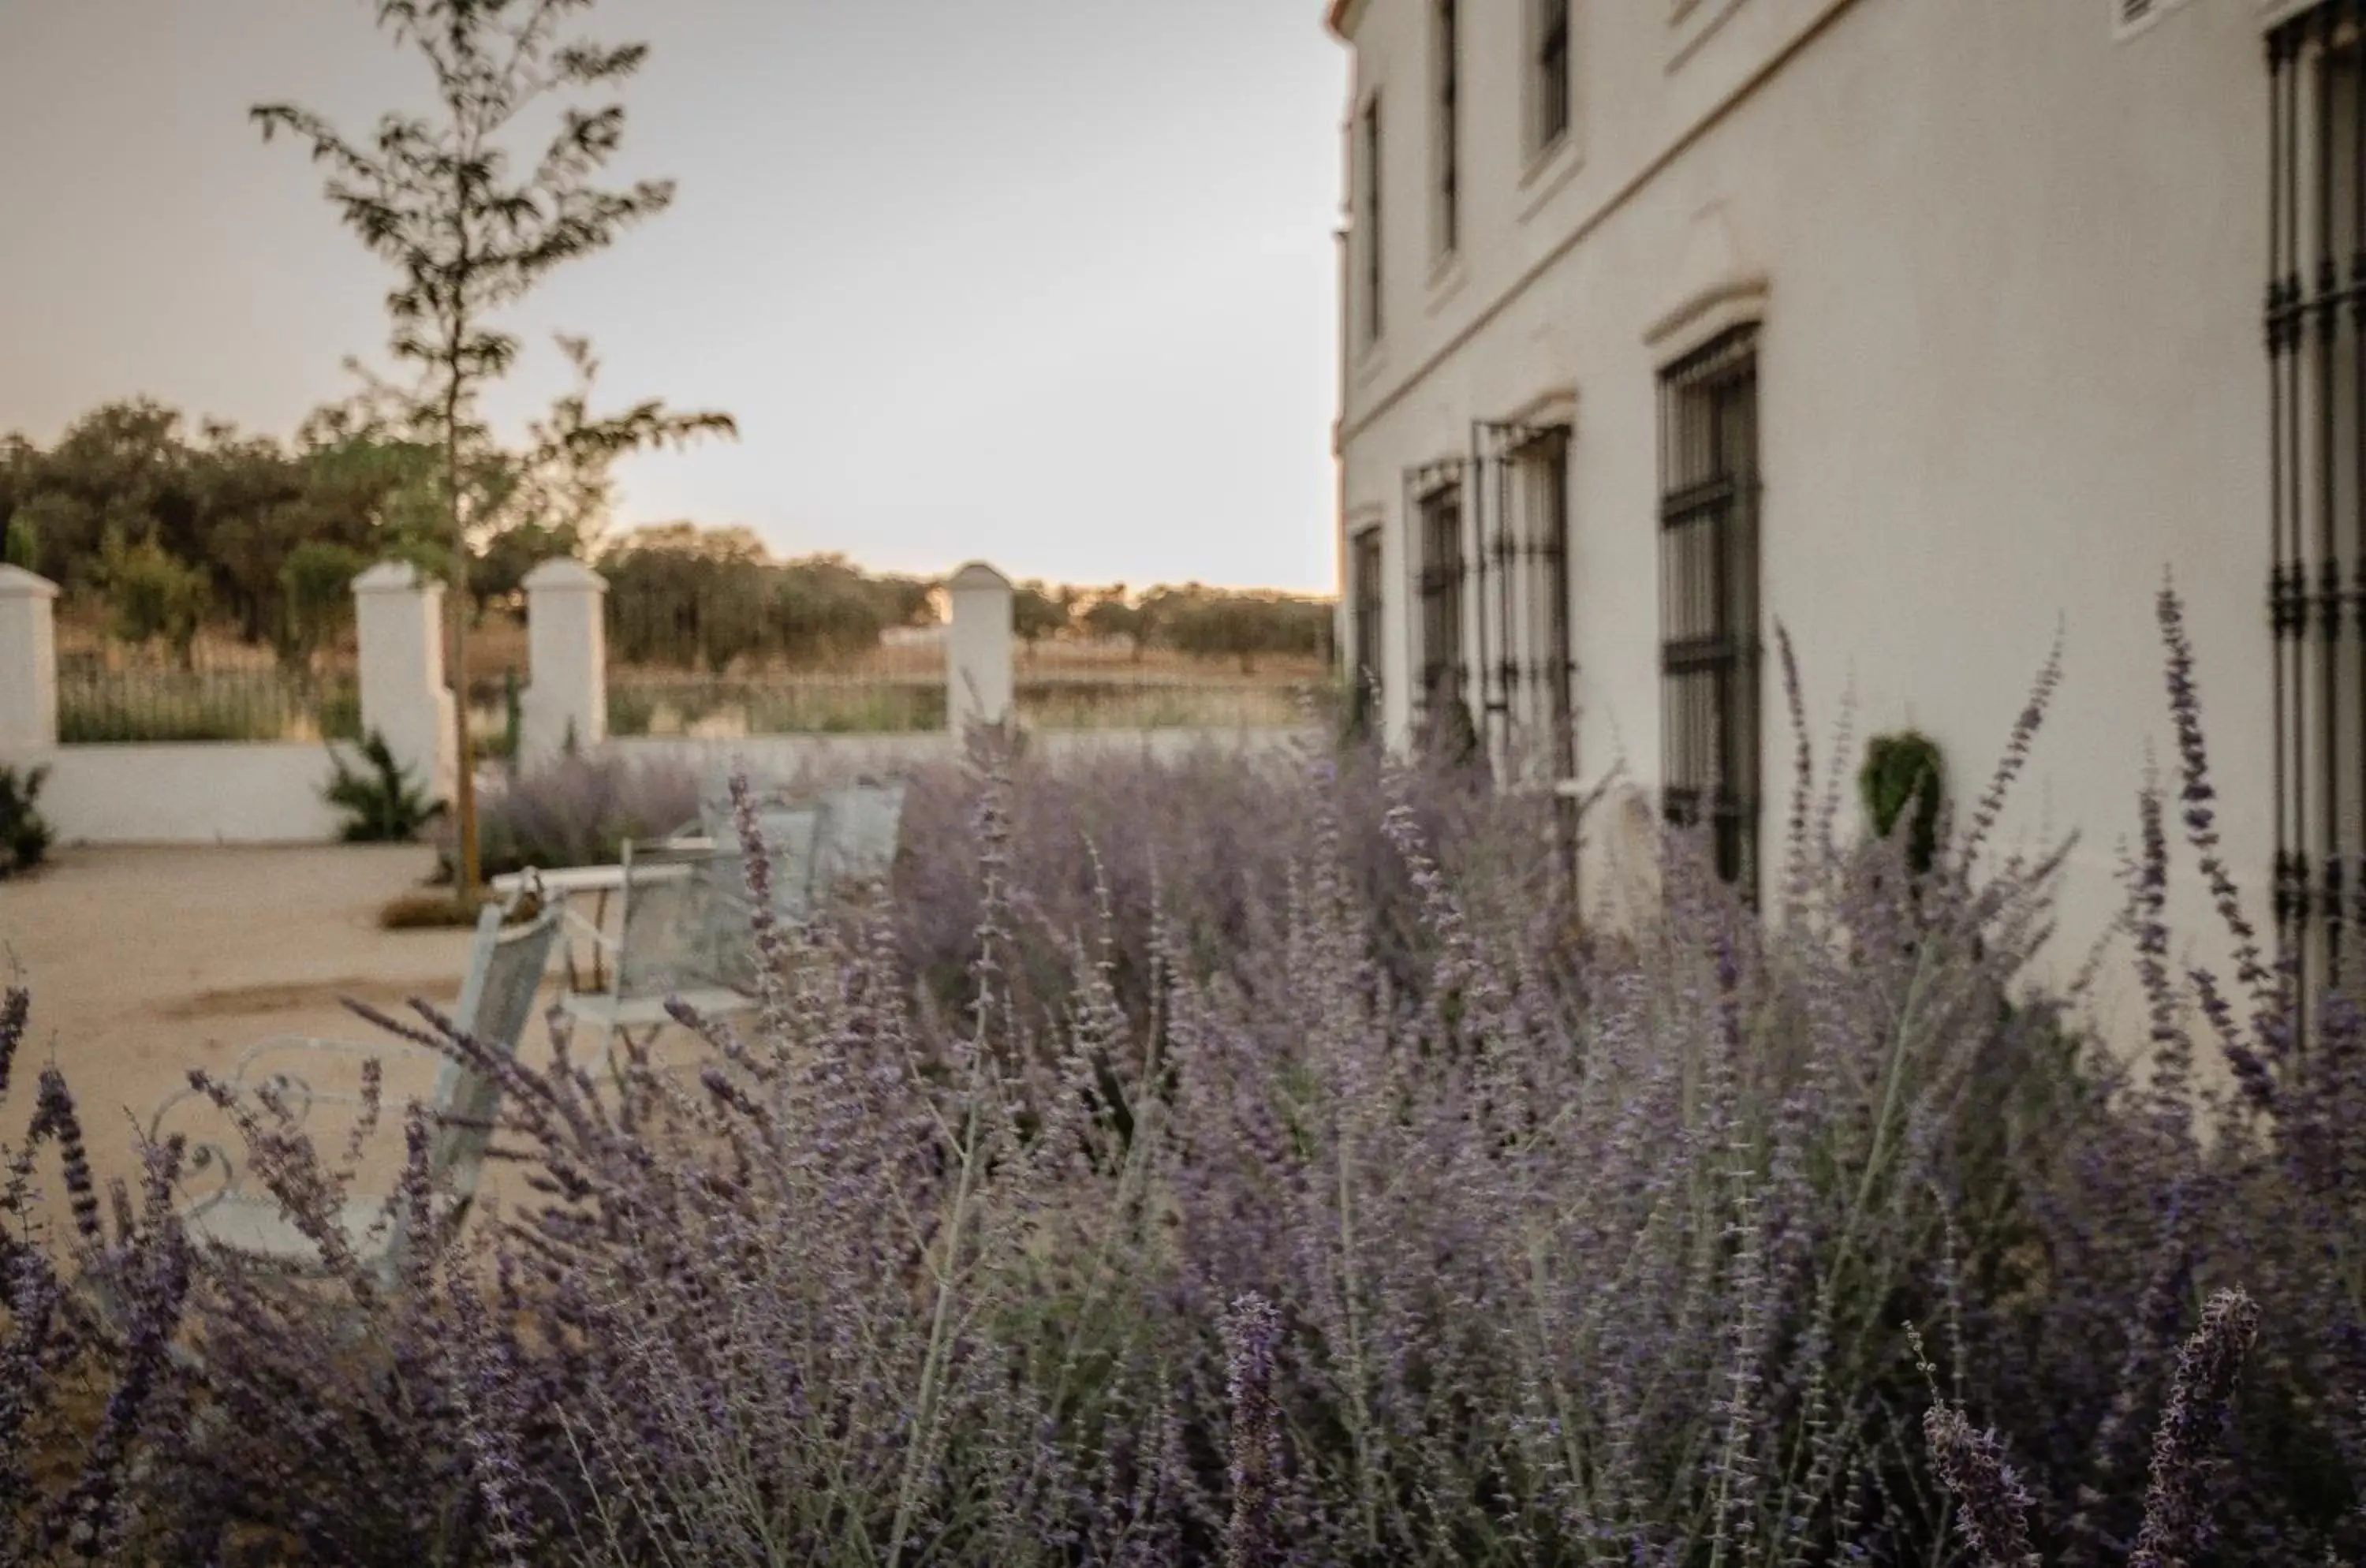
point(242, 1075)
point(214, 1159)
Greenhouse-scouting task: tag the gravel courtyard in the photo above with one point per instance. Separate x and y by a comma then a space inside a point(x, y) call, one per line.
point(144, 963)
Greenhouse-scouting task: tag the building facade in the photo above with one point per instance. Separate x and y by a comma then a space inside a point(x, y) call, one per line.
point(1928, 331)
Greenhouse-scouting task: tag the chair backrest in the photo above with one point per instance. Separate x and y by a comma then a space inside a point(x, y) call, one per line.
point(661, 922)
point(505, 970)
point(687, 922)
point(863, 823)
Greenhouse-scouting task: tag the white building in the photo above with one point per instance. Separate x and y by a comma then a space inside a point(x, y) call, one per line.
point(1923, 328)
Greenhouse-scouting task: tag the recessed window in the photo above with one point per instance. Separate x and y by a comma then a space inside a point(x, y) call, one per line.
point(1439, 508)
point(1368, 597)
point(1549, 74)
point(1369, 160)
point(1708, 599)
point(1446, 44)
point(1548, 668)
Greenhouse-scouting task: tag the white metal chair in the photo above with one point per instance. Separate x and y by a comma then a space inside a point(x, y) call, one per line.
point(497, 998)
point(864, 823)
point(684, 927)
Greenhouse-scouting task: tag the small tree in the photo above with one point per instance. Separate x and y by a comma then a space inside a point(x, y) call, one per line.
point(153, 596)
point(1035, 614)
point(316, 584)
point(22, 544)
point(468, 235)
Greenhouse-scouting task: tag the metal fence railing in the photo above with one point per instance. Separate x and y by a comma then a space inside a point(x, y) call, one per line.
point(771, 704)
point(98, 705)
point(1110, 701)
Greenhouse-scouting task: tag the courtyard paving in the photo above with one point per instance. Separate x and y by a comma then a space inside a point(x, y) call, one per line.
point(144, 963)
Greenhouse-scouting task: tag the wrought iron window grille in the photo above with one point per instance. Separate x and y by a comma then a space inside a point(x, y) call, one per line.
point(1711, 651)
point(2315, 328)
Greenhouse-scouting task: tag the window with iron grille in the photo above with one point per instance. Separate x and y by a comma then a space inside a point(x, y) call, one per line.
point(1552, 663)
point(1448, 132)
point(1523, 627)
point(1439, 508)
point(1708, 599)
point(1368, 156)
point(1548, 89)
point(1368, 604)
point(2316, 356)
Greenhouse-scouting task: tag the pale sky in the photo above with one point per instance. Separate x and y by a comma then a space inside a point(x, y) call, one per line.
point(1050, 282)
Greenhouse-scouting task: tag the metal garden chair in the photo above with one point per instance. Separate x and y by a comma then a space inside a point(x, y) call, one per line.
point(685, 929)
point(497, 1000)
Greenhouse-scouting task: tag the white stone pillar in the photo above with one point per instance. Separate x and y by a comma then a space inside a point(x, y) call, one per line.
point(567, 650)
point(398, 617)
point(29, 662)
point(978, 649)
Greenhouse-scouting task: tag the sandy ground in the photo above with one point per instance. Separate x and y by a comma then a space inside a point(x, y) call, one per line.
point(144, 963)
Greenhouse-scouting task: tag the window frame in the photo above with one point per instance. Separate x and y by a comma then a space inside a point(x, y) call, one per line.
point(1438, 516)
point(1368, 605)
point(1711, 648)
point(1370, 144)
point(1550, 71)
point(1446, 147)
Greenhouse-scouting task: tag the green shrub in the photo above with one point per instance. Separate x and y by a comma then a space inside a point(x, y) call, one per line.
point(1903, 773)
point(24, 836)
point(380, 803)
point(315, 582)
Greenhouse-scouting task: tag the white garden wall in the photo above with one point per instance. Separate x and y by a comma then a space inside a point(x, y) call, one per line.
point(206, 793)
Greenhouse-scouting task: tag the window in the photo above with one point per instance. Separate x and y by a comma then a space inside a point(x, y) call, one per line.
point(1708, 599)
point(1438, 505)
point(1548, 92)
point(1368, 604)
point(1543, 467)
point(1370, 159)
point(2317, 360)
point(1449, 193)
point(1524, 626)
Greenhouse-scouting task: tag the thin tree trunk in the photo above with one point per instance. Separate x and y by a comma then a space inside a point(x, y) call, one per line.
point(456, 610)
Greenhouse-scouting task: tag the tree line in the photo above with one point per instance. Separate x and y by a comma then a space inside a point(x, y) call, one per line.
point(178, 525)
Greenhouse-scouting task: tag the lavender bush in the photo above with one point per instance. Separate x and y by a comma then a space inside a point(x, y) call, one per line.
point(1193, 1164)
point(578, 809)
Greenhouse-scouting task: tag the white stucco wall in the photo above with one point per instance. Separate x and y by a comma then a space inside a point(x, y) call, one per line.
point(2010, 368)
point(260, 793)
point(229, 793)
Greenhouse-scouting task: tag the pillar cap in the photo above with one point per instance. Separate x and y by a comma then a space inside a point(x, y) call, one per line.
point(388, 577)
point(976, 575)
point(564, 573)
point(16, 582)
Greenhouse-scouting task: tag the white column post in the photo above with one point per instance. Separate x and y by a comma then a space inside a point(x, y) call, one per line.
point(566, 648)
point(29, 662)
point(398, 617)
point(978, 649)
